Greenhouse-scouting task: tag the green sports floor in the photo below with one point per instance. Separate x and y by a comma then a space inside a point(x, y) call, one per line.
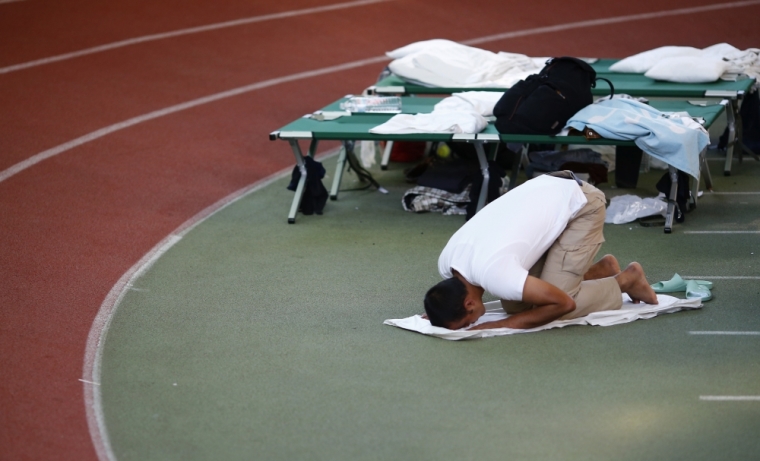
point(254, 339)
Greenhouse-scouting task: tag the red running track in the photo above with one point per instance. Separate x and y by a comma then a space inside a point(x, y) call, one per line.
point(73, 224)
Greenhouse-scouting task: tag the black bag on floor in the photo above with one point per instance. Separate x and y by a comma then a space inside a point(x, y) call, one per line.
point(314, 194)
point(543, 103)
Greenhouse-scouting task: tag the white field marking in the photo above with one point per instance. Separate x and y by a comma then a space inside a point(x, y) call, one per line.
point(10, 1)
point(731, 193)
point(99, 329)
point(721, 232)
point(729, 398)
point(719, 277)
point(191, 30)
point(89, 382)
point(727, 333)
point(5, 174)
point(606, 21)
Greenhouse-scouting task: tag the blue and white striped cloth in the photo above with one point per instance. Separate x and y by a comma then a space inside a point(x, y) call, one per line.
point(676, 139)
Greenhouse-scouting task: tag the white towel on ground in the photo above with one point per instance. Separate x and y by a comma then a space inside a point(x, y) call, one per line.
point(628, 313)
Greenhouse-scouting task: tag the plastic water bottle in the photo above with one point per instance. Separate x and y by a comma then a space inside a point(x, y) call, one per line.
point(376, 104)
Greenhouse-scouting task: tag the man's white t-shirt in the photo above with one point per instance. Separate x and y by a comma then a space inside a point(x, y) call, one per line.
point(496, 247)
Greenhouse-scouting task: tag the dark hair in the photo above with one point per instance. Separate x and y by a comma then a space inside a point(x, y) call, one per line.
point(444, 303)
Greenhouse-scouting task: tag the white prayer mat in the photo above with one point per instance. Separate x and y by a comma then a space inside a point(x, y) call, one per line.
point(628, 313)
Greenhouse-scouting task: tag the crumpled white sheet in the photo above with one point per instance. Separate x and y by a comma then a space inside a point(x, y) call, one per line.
point(684, 64)
point(443, 63)
point(628, 313)
point(481, 102)
point(459, 113)
point(627, 208)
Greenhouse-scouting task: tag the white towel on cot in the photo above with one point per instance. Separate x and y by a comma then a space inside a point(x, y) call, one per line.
point(628, 313)
point(459, 113)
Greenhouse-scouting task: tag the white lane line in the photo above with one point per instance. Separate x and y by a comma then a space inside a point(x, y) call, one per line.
point(177, 108)
point(606, 21)
point(726, 333)
point(720, 277)
point(191, 30)
point(721, 232)
point(96, 338)
point(5, 174)
point(729, 398)
point(10, 1)
point(733, 193)
point(489, 38)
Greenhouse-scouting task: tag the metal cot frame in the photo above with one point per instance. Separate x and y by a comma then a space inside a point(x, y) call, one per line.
point(351, 128)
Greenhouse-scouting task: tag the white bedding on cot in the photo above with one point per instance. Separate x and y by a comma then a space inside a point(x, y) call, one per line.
point(628, 313)
point(685, 64)
point(459, 113)
point(443, 63)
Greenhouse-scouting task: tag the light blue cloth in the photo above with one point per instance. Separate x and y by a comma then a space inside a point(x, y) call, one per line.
point(674, 139)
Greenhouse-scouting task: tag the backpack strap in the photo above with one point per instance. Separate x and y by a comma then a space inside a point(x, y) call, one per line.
point(612, 88)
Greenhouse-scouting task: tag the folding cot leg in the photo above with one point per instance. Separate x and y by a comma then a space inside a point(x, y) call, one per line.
point(704, 171)
point(671, 199)
point(519, 160)
point(301, 182)
point(486, 177)
point(386, 155)
point(339, 172)
point(731, 112)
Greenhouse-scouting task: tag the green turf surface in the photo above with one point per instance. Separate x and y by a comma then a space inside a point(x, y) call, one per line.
point(255, 339)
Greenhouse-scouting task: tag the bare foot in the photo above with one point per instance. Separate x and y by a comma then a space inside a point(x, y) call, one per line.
point(633, 281)
point(606, 267)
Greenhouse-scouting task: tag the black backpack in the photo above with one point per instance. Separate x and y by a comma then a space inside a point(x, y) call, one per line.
point(544, 102)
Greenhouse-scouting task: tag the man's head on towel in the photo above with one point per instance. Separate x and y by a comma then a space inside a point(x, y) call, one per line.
point(452, 304)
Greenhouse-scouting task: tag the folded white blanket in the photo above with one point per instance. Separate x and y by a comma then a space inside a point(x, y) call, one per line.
point(628, 313)
point(443, 63)
point(459, 113)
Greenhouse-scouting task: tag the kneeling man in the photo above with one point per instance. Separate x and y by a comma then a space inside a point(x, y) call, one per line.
point(533, 248)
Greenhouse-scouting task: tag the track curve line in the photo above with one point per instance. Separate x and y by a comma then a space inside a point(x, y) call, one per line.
point(607, 21)
point(188, 31)
point(99, 329)
point(7, 173)
point(21, 166)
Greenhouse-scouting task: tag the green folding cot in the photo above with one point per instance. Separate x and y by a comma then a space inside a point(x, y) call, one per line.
point(350, 128)
point(632, 84)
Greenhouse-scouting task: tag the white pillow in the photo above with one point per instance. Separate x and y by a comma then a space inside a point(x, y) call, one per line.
point(421, 46)
point(720, 50)
point(688, 70)
point(642, 62)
